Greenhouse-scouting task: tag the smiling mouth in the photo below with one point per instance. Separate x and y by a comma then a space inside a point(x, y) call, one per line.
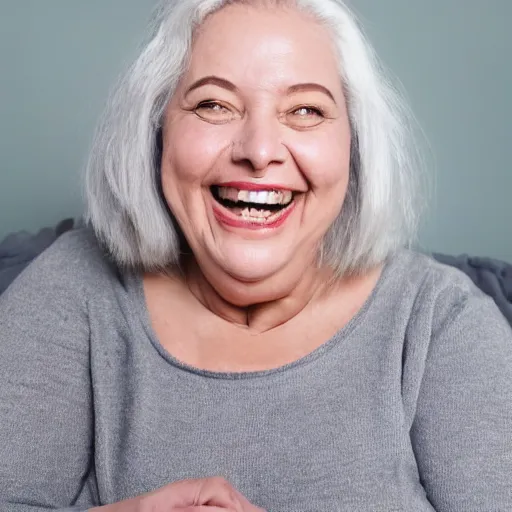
point(262, 207)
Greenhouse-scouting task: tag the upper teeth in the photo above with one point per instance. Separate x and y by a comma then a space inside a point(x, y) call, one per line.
point(256, 196)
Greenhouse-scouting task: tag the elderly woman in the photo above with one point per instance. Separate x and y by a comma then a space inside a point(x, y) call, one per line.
point(244, 327)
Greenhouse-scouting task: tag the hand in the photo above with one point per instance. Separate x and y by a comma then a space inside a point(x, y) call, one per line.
point(213, 494)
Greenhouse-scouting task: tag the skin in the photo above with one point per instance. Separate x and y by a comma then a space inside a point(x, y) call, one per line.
point(255, 122)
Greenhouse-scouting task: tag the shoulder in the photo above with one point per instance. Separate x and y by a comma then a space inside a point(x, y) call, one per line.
point(446, 303)
point(436, 299)
point(74, 250)
point(432, 280)
point(418, 267)
point(75, 264)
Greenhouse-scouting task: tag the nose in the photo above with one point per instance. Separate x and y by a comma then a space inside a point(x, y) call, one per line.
point(259, 143)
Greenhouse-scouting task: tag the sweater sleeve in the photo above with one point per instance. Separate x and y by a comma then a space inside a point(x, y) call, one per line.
point(462, 431)
point(45, 390)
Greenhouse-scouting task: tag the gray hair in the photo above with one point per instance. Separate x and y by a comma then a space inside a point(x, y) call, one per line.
point(124, 200)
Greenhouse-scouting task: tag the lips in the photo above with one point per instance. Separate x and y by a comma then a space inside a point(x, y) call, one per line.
point(253, 207)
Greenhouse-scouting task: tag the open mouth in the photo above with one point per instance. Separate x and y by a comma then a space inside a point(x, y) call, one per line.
point(262, 207)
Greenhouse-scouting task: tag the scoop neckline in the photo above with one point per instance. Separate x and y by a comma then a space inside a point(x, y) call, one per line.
point(135, 283)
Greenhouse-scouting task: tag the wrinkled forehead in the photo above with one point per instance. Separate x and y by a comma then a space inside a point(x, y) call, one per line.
point(264, 46)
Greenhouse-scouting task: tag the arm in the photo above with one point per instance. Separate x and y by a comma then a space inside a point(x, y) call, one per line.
point(462, 432)
point(45, 397)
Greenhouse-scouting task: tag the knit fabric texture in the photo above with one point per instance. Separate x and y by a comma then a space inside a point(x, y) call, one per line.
point(407, 408)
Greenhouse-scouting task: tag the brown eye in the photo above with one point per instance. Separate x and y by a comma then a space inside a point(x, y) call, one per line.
point(214, 112)
point(305, 117)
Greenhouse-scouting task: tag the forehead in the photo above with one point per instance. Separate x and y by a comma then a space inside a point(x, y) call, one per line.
point(264, 47)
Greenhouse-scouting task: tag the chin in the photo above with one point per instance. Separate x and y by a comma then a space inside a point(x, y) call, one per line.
point(247, 263)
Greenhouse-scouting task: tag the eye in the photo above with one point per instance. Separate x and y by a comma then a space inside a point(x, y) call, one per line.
point(308, 111)
point(306, 116)
point(214, 112)
point(210, 105)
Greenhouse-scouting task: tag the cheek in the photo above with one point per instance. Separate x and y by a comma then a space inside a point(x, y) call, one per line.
point(324, 160)
point(190, 150)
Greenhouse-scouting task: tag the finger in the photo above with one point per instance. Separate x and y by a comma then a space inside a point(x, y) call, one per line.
point(218, 492)
point(211, 492)
point(246, 504)
point(202, 508)
point(237, 496)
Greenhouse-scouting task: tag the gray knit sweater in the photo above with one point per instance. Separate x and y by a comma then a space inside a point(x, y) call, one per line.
point(407, 408)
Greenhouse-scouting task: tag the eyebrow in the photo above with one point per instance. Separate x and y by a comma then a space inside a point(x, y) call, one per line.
point(214, 80)
point(226, 84)
point(310, 87)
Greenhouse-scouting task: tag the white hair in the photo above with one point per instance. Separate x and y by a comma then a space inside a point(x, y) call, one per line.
point(125, 204)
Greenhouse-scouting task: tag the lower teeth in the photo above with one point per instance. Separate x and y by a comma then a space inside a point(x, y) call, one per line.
point(259, 216)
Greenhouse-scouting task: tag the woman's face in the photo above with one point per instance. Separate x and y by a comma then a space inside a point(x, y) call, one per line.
point(256, 143)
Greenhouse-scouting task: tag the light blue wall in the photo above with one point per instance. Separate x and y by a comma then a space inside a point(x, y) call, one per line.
point(59, 58)
point(454, 58)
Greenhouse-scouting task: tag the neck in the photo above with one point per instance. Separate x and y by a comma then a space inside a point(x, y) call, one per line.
point(257, 307)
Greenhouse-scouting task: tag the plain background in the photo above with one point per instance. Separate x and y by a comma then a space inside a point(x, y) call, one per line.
point(59, 59)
